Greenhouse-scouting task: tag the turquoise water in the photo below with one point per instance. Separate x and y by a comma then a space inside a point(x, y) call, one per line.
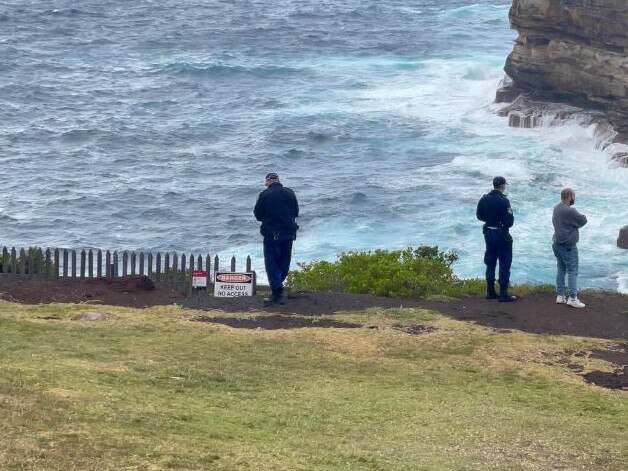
point(149, 126)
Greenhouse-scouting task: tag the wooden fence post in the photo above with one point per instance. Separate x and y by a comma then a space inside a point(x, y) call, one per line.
point(150, 263)
point(48, 267)
point(233, 263)
point(57, 263)
point(216, 266)
point(141, 272)
point(90, 264)
point(108, 266)
point(30, 263)
point(99, 264)
point(249, 269)
point(208, 279)
point(175, 264)
point(182, 273)
point(40, 262)
point(73, 263)
point(22, 264)
point(115, 264)
point(133, 260)
point(166, 266)
point(83, 256)
point(125, 263)
point(13, 261)
point(5, 260)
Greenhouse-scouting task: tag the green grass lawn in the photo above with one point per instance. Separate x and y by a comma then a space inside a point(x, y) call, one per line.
point(151, 390)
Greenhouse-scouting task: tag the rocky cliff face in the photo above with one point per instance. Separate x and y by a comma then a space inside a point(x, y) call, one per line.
point(573, 51)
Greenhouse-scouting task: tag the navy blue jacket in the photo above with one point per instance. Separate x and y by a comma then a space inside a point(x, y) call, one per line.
point(494, 209)
point(276, 208)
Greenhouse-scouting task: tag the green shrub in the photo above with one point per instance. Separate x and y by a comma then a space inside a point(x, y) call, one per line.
point(424, 271)
point(472, 286)
point(418, 271)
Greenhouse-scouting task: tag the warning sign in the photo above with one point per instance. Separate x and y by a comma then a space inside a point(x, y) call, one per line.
point(199, 279)
point(233, 285)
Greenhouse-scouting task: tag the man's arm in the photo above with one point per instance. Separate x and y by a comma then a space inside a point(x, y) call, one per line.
point(296, 206)
point(478, 212)
point(258, 211)
point(577, 219)
point(508, 218)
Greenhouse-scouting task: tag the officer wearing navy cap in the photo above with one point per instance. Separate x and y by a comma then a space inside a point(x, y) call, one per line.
point(494, 209)
point(276, 208)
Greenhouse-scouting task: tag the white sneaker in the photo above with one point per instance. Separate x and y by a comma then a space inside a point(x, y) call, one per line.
point(560, 299)
point(575, 302)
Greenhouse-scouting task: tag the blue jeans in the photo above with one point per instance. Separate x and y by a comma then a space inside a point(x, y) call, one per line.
point(277, 256)
point(498, 247)
point(567, 262)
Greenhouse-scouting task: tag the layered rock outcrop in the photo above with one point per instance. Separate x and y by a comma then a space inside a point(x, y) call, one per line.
point(572, 51)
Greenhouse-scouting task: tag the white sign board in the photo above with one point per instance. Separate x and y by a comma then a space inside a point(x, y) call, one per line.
point(199, 279)
point(233, 285)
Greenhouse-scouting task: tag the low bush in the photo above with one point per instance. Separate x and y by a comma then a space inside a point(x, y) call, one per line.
point(424, 272)
point(421, 271)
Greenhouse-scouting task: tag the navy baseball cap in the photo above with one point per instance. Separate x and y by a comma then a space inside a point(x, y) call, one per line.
point(272, 176)
point(498, 181)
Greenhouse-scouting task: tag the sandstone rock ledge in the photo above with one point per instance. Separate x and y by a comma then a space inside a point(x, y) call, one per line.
point(572, 51)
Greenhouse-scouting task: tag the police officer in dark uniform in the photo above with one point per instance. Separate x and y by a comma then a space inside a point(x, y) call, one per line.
point(276, 209)
point(494, 209)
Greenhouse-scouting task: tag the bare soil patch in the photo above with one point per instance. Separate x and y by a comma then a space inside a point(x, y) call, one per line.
point(131, 291)
point(606, 315)
point(618, 379)
point(616, 355)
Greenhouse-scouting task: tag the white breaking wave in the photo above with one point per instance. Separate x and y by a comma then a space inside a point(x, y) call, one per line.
point(455, 99)
point(622, 282)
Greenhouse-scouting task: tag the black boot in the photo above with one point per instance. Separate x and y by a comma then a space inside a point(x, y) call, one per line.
point(505, 297)
point(490, 291)
point(276, 298)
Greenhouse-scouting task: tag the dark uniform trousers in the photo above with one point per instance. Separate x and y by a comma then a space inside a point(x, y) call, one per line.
point(277, 257)
point(494, 209)
point(498, 248)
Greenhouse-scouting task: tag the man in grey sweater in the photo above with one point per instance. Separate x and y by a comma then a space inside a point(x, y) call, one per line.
point(566, 222)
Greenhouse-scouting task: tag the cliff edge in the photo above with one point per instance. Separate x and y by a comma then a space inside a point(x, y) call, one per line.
point(572, 51)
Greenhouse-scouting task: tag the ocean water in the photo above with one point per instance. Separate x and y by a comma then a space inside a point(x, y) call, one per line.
point(149, 125)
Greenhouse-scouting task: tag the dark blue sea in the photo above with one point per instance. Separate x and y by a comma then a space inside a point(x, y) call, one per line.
point(149, 125)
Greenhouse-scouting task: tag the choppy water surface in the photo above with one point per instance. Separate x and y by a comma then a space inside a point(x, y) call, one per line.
point(150, 124)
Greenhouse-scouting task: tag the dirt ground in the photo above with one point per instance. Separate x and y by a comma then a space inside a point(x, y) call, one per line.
point(132, 291)
point(606, 314)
